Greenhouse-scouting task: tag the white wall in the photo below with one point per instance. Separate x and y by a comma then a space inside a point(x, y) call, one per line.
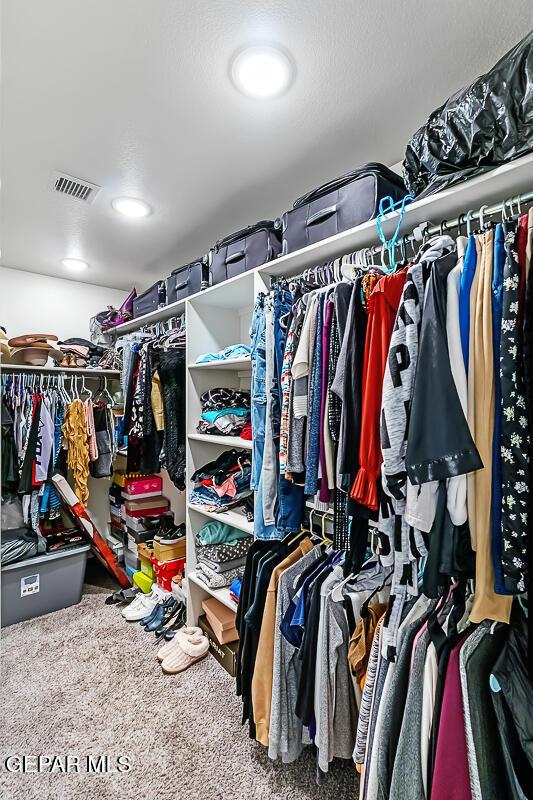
point(31, 303)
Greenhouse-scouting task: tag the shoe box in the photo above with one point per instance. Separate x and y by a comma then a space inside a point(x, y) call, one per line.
point(131, 560)
point(145, 553)
point(221, 619)
point(142, 581)
point(149, 506)
point(142, 486)
point(116, 543)
point(169, 552)
point(225, 654)
point(166, 570)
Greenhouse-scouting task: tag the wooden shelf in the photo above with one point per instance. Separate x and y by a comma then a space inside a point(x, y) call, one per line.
point(227, 441)
point(232, 518)
point(222, 595)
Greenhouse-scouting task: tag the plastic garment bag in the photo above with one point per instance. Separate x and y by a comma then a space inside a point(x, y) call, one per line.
point(477, 129)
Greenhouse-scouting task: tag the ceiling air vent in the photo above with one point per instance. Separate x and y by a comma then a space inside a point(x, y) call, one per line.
point(74, 187)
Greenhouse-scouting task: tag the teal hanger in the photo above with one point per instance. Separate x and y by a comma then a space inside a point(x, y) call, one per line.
point(388, 206)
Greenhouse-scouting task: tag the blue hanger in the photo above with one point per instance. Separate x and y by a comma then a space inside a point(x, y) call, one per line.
point(388, 206)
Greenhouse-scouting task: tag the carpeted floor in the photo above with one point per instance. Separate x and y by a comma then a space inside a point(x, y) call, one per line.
point(84, 682)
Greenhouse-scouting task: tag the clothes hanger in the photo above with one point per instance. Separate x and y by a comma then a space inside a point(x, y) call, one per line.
point(469, 215)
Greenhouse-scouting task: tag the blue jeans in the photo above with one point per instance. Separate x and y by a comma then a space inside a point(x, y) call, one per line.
point(258, 391)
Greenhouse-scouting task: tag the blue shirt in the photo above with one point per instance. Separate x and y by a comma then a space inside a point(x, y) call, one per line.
point(467, 277)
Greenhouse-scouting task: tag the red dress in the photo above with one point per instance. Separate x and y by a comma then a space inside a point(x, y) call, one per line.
point(382, 307)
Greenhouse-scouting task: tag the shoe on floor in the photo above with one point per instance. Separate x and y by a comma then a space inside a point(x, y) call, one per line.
point(187, 653)
point(142, 606)
point(180, 634)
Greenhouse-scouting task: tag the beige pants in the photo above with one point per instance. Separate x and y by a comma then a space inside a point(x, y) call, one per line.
point(487, 604)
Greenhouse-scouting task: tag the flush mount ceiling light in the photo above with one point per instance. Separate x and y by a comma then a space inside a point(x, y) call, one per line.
point(262, 72)
point(75, 264)
point(131, 207)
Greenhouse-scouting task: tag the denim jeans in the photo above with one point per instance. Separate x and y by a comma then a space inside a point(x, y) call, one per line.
point(258, 392)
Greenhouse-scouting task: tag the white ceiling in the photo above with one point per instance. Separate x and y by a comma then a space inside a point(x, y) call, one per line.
point(134, 95)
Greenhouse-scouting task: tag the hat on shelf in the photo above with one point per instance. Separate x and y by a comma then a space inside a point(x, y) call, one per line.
point(34, 355)
point(4, 347)
point(29, 339)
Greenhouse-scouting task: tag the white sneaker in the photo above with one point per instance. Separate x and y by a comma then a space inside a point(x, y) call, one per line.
point(142, 606)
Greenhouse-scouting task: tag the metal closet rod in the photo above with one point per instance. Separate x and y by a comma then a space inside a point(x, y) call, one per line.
point(425, 229)
point(484, 211)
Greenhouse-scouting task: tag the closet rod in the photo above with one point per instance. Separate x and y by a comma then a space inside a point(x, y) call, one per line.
point(485, 211)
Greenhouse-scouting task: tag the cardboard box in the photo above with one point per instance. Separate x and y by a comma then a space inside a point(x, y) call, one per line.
point(221, 619)
point(145, 552)
point(225, 654)
point(150, 506)
point(168, 552)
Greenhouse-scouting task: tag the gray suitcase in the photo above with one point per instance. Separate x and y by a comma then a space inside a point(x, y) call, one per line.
point(339, 205)
point(244, 250)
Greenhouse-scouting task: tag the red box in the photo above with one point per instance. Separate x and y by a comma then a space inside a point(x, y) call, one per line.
point(166, 570)
point(147, 485)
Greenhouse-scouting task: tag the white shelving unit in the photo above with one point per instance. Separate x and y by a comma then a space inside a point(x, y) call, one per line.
point(217, 318)
point(86, 372)
point(221, 315)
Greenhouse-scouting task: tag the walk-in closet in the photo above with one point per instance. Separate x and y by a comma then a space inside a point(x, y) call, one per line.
point(266, 369)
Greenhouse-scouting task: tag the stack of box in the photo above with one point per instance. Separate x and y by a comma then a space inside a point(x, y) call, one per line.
point(136, 505)
point(218, 624)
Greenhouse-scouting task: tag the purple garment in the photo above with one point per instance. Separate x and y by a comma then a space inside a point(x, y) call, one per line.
point(451, 776)
point(324, 494)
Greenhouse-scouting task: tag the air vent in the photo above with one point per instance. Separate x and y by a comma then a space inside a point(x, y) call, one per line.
point(74, 187)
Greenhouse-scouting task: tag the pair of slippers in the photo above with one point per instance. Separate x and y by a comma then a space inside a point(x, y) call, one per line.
point(188, 646)
point(122, 596)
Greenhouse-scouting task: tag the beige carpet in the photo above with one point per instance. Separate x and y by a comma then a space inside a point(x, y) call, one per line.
point(84, 682)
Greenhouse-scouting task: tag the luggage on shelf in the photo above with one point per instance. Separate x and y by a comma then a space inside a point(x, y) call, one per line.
point(339, 205)
point(150, 300)
point(479, 128)
point(187, 280)
point(244, 250)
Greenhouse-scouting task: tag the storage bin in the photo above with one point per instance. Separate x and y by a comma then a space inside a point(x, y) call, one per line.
point(42, 584)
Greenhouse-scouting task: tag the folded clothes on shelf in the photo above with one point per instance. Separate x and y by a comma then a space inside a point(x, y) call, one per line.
point(218, 580)
point(233, 351)
point(218, 533)
point(225, 411)
point(224, 398)
point(235, 590)
point(222, 553)
point(223, 483)
point(229, 566)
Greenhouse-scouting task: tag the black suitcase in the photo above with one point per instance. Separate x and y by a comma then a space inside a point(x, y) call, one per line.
point(339, 205)
point(150, 300)
point(244, 250)
point(187, 280)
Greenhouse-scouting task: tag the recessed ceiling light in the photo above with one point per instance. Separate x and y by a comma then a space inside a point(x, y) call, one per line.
point(131, 207)
point(75, 264)
point(262, 71)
